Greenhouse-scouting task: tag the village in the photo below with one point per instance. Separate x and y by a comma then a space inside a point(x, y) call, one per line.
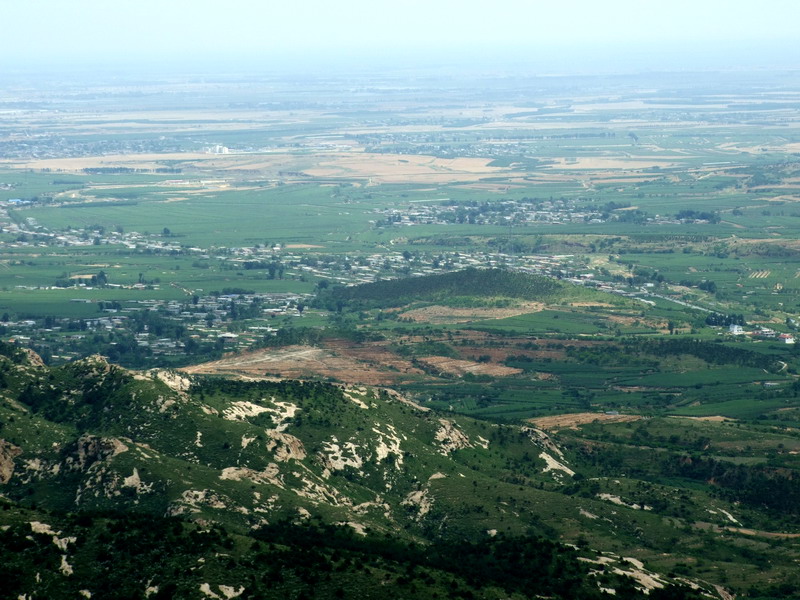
point(208, 321)
point(525, 211)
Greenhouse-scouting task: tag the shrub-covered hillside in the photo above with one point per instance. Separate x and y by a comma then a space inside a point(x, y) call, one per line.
point(221, 474)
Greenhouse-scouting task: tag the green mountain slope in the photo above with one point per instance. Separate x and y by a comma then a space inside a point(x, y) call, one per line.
point(95, 440)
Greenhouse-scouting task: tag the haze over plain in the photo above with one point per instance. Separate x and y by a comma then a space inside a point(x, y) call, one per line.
point(575, 36)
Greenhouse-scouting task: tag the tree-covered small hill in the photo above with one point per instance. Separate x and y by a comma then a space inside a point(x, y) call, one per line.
point(472, 282)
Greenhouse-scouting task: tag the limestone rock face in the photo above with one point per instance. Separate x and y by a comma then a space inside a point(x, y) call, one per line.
point(8, 452)
point(33, 358)
point(90, 449)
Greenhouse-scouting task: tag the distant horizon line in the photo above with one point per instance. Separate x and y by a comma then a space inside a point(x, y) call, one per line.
point(546, 60)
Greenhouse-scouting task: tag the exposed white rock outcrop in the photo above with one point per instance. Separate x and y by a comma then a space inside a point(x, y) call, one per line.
point(540, 438)
point(282, 414)
point(91, 449)
point(269, 475)
point(65, 567)
point(242, 410)
point(350, 394)
point(173, 380)
point(285, 446)
point(421, 500)
point(620, 502)
point(59, 542)
point(135, 481)
point(228, 592)
point(8, 452)
point(451, 438)
point(191, 501)
point(388, 444)
point(551, 464)
point(336, 457)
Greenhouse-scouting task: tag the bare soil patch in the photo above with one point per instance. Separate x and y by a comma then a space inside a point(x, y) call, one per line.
point(373, 363)
point(392, 168)
point(769, 534)
point(747, 531)
point(376, 168)
point(305, 362)
point(574, 420)
point(625, 320)
point(490, 187)
point(598, 304)
point(591, 163)
point(713, 419)
point(444, 314)
point(541, 376)
point(454, 366)
point(372, 355)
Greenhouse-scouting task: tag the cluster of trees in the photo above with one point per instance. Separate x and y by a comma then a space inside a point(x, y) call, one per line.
point(697, 215)
point(708, 286)
point(300, 392)
point(517, 245)
point(273, 268)
point(636, 216)
point(764, 249)
point(290, 336)
point(759, 486)
point(122, 347)
point(98, 280)
point(608, 355)
point(711, 352)
point(720, 320)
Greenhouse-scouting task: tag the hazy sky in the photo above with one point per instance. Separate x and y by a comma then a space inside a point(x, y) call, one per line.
point(36, 31)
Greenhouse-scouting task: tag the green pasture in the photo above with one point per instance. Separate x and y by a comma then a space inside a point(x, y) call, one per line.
point(739, 408)
point(705, 377)
point(59, 302)
point(301, 214)
point(28, 184)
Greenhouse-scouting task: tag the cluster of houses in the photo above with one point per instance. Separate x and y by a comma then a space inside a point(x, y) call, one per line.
point(762, 332)
point(210, 319)
point(512, 212)
point(505, 212)
point(41, 145)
